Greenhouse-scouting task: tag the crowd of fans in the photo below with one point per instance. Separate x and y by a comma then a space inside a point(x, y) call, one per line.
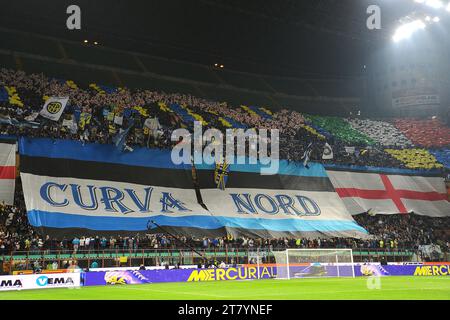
point(98, 113)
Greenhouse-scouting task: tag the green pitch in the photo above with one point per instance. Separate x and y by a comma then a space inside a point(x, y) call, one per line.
point(330, 288)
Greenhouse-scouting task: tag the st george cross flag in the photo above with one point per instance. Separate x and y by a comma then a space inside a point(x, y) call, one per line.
point(391, 193)
point(327, 152)
point(7, 171)
point(54, 107)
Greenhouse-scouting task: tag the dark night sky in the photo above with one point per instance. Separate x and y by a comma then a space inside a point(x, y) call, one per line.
point(285, 37)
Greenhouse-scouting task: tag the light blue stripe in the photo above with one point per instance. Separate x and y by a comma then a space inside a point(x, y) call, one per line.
point(284, 168)
point(63, 220)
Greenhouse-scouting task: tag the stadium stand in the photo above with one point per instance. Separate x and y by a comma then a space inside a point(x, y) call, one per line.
point(23, 94)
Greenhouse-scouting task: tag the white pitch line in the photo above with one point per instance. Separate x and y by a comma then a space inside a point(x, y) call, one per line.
point(282, 294)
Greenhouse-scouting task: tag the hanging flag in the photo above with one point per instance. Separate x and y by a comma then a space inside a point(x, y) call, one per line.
point(7, 170)
point(5, 119)
point(54, 107)
point(110, 116)
point(306, 155)
point(221, 175)
point(327, 152)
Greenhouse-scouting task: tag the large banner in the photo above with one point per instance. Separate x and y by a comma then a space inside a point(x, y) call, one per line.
point(40, 281)
point(295, 202)
point(391, 193)
point(7, 170)
point(71, 189)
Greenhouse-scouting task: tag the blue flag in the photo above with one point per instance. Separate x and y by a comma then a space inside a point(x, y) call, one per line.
point(120, 138)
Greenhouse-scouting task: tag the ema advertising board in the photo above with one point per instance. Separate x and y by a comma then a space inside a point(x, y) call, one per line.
point(40, 281)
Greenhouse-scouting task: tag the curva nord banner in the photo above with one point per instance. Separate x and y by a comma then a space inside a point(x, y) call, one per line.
point(296, 201)
point(73, 189)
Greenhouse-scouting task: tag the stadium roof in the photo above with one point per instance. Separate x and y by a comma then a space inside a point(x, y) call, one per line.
point(282, 37)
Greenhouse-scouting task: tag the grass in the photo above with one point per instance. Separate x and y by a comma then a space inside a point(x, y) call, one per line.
point(410, 288)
